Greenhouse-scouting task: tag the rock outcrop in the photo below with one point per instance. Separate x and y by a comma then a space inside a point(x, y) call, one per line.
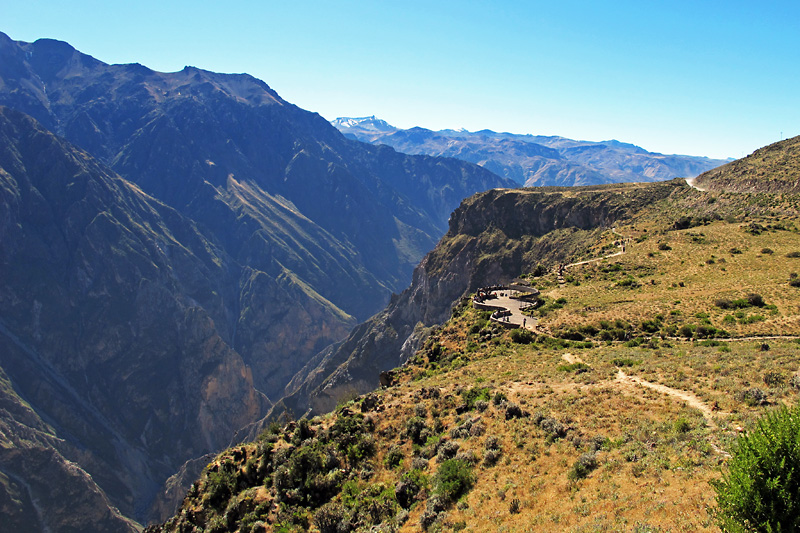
point(493, 237)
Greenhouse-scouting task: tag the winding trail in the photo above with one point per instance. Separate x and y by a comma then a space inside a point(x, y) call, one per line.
point(688, 397)
point(560, 270)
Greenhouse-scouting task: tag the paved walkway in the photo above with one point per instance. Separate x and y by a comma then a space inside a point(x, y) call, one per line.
point(504, 302)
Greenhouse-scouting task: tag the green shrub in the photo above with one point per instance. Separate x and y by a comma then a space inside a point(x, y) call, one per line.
point(583, 466)
point(625, 361)
point(682, 425)
point(761, 489)
point(475, 394)
point(414, 430)
point(394, 457)
point(453, 479)
point(577, 368)
point(522, 336)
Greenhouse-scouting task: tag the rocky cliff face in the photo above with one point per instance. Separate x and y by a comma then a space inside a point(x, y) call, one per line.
point(148, 317)
point(108, 301)
point(493, 237)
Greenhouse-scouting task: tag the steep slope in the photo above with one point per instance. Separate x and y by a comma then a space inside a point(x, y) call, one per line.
point(276, 187)
point(772, 169)
point(671, 326)
point(493, 237)
point(533, 160)
point(172, 311)
point(109, 302)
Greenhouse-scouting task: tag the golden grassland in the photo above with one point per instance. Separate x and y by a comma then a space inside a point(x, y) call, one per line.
point(557, 441)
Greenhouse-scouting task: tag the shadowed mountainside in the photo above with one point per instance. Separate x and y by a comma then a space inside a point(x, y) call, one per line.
point(108, 300)
point(170, 307)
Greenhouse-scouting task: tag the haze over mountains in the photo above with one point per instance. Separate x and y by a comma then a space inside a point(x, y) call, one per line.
point(533, 160)
point(188, 243)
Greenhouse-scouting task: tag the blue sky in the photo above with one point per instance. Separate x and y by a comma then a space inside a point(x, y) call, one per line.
point(703, 78)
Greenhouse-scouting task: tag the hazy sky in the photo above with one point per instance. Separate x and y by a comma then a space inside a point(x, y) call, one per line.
point(715, 78)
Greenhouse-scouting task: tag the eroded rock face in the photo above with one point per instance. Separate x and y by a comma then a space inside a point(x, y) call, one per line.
point(494, 237)
point(107, 300)
point(171, 307)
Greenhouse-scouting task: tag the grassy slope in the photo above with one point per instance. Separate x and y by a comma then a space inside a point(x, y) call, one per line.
point(653, 454)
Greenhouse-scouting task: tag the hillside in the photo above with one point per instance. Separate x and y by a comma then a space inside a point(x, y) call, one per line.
point(533, 160)
point(674, 321)
point(773, 168)
point(110, 356)
point(274, 186)
point(176, 247)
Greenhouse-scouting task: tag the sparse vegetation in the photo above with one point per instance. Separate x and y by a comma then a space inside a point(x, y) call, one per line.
point(670, 363)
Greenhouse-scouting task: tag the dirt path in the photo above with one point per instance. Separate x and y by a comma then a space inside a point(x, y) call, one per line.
point(687, 397)
point(586, 262)
point(690, 183)
point(571, 359)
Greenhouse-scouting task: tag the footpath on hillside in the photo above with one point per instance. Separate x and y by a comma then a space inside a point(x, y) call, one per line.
point(621, 244)
point(626, 382)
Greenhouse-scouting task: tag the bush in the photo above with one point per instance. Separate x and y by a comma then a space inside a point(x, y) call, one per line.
point(474, 395)
point(664, 246)
point(625, 361)
point(682, 425)
point(774, 378)
point(329, 516)
point(394, 457)
point(577, 368)
point(414, 429)
point(453, 479)
point(522, 336)
point(408, 488)
point(446, 451)
point(583, 466)
point(761, 489)
point(752, 397)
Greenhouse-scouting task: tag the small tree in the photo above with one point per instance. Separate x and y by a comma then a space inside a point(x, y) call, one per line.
point(761, 489)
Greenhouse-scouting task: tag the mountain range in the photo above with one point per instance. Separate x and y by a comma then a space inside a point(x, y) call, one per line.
point(532, 160)
point(661, 331)
point(185, 258)
point(174, 248)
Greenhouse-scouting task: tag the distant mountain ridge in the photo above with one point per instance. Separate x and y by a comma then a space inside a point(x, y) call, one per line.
point(533, 160)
